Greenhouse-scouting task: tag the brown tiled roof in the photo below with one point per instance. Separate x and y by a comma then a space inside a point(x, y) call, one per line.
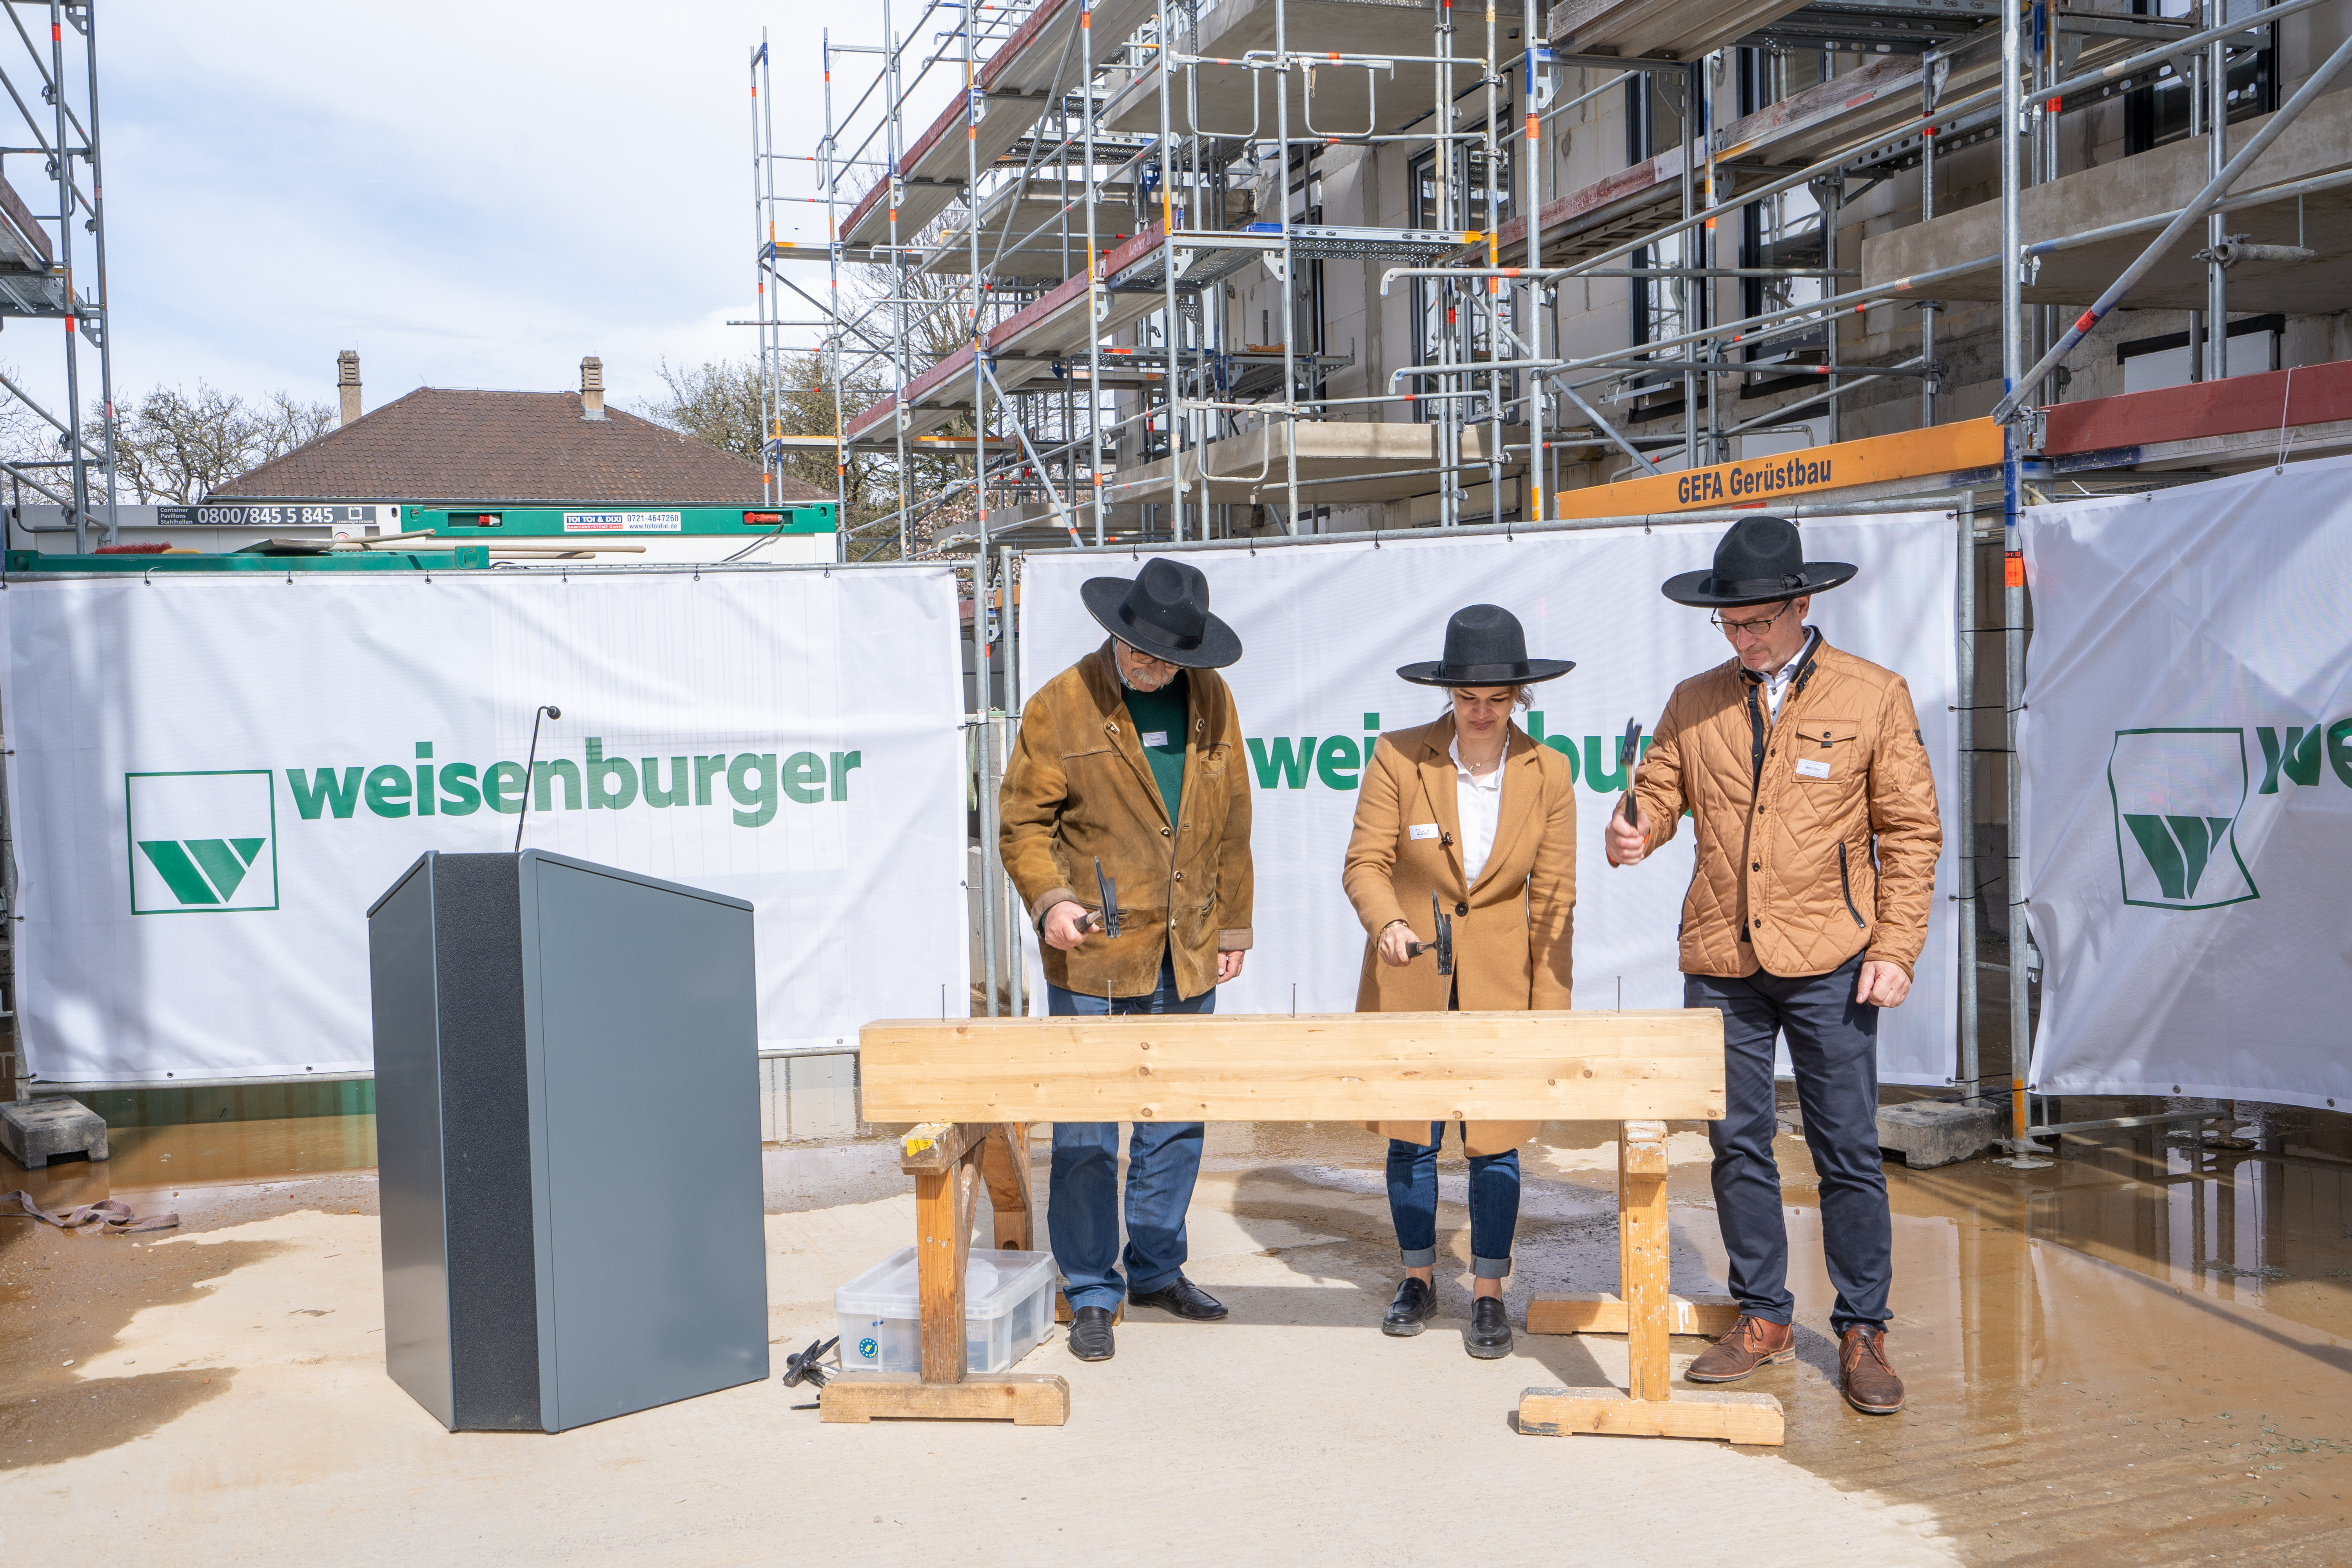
point(438, 444)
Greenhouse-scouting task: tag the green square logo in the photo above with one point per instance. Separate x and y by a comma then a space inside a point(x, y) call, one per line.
point(2176, 796)
point(201, 843)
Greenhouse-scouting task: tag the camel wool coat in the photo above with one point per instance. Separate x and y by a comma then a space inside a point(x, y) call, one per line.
point(1512, 928)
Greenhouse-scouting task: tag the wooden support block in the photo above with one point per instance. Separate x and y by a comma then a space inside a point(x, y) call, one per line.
point(1641, 1149)
point(1641, 1256)
point(1026, 1399)
point(1733, 1417)
point(937, 1146)
point(1602, 1313)
point(1062, 1310)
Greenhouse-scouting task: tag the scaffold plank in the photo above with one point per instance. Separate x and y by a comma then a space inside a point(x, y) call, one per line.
point(2274, 404)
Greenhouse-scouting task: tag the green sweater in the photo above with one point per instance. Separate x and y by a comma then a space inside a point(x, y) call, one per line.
point(1162, 716)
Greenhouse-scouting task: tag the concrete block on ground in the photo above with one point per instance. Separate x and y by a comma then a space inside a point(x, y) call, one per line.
point(1931, 1133)
point(36, 1132)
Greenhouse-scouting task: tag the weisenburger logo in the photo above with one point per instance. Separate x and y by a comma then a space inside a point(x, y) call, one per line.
point(201, 843)
point(2176, 796)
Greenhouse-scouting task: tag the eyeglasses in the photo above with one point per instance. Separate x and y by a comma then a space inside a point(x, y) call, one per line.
point(1752, 628)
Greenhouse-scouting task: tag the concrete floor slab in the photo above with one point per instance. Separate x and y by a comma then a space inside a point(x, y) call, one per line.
point(2139, 1355)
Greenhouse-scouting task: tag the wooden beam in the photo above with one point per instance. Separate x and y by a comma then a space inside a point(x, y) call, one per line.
point(1026, 1399)
point(1641, 1256)
point(1602, 1313)
point(1732, 1417)
point(1348, 1066)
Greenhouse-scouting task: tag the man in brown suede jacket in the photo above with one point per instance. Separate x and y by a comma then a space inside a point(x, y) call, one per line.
point(1808, 786)
point(1132, 757)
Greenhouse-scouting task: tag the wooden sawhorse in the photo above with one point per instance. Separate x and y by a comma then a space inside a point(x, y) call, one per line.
point(972, 1084)
point(1646, 1314)
point(949, 1160)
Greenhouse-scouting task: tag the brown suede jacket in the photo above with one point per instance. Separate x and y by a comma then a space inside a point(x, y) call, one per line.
point(1078, 785)
point(1817, 830)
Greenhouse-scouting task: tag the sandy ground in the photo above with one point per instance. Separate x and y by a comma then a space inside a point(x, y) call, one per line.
point(2091, 1384)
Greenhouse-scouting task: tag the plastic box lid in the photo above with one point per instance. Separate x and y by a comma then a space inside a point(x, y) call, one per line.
point(993, 1284)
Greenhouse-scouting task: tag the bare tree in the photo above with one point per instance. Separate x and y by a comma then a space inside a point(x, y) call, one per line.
point(175, 445)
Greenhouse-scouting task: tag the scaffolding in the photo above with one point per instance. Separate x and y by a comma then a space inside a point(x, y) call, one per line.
point(1567, 244)
point(54, 89)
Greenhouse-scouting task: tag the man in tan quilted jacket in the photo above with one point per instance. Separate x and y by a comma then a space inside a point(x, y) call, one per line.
point(1808, 786)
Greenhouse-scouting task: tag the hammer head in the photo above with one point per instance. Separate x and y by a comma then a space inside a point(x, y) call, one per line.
point(1109, 891)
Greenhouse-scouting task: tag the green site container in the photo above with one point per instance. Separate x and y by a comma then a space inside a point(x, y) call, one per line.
point(458, 558)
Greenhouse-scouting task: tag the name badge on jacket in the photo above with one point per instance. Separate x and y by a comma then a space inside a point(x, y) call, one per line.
point(1155, 737)
point(1423, 830)
point(1811, 768)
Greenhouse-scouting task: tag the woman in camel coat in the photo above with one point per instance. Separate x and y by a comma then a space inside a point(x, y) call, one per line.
point(1472, 810)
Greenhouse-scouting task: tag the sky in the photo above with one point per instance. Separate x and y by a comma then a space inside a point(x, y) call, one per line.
point(469, 195)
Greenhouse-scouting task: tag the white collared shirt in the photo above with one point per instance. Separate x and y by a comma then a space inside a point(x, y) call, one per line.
point(1479, 804)
point(1776, 685)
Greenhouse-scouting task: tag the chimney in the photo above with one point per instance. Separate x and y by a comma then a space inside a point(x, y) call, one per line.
point(347, 382)
point(592, 388)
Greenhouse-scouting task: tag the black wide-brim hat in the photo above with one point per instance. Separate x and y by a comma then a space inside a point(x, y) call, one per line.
point(1163, 612)
point(1761, 561)
point(1486, 645)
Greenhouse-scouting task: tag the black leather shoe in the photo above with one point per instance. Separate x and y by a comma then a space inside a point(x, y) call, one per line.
point(1090, 1336)
point(1416, 1304)
point(1489, 1338)
point(1184, 1299)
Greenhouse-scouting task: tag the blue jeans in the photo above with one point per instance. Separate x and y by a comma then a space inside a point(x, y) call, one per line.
point(1162, 1160)
point(1493, 1205)
point(1833, 1048)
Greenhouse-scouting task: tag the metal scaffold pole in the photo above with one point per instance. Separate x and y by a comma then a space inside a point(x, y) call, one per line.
point(2012, 360)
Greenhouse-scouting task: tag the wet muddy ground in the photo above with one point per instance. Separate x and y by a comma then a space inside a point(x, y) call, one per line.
point(2141, 1354)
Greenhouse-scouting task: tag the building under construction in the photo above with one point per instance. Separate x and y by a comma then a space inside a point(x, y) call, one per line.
point(1207, 267)
point(1144, 272)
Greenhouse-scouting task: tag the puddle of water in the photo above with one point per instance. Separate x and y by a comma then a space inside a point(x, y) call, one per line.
point(2140, 1354)
point(152, 1162)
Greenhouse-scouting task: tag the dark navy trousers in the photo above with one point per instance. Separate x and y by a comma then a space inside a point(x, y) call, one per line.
point(1834, 1047)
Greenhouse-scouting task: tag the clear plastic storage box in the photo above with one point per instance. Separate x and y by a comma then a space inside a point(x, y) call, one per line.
point(1008, 1305)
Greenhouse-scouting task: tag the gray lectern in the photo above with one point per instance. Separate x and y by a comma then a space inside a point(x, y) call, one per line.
point(568, 1138)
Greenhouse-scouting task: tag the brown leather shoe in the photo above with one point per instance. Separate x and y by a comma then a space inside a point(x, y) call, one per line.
point(1752, 1342)
point(1870, 1385)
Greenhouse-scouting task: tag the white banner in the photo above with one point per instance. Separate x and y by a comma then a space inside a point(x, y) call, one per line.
point(2188, 750)
point(213, 780)
point(1325, 627)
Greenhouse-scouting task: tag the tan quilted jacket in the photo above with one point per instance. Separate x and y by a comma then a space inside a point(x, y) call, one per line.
point(1817, 832)
point(1077, 786)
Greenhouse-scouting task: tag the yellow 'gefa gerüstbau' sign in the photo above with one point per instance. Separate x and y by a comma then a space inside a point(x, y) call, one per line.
point(1940, 450)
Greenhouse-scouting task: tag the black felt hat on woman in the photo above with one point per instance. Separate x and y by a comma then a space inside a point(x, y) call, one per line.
point(1163, 612)
point(1486, 645)
point(1760, 562)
